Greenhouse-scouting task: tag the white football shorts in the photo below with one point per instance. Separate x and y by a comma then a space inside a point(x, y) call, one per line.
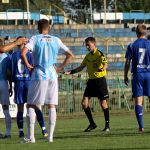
point(4, 93)
point(43, 92)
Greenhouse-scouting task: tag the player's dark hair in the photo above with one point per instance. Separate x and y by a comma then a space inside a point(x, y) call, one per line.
point(19, 37)
point(43, 24)
point(91, 39)
point(141, 30)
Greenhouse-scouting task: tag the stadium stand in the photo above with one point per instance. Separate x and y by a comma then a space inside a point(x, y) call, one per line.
point(112, 40)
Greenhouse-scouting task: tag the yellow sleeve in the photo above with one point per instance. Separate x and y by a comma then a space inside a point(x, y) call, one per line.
point(104, 60)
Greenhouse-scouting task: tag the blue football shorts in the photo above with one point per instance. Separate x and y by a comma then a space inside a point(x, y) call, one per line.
point(21, 91)
point(141, 84)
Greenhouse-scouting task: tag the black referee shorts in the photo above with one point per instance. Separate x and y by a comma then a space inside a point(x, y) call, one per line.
point(97, 88)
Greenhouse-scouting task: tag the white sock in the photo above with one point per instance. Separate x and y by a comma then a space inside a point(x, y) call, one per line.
point(30, 123)
point(7, 122)
point(52, 123)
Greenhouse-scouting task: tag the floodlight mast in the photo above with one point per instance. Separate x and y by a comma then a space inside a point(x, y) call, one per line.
point(28, 12)
point(91, 11)
point(104, 11)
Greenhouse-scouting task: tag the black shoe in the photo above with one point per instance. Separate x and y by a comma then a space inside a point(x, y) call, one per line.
point(106, 129)
point(6, 136)
point(1, 135)
point(90, 127)
point(141, 130)
point(21, 134)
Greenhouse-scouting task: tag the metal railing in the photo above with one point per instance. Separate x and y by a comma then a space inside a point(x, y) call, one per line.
point(71, 91)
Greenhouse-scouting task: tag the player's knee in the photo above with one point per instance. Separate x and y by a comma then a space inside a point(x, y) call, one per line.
point(5, 107)
point(104, 104)
point(51, 106)
point(31, 106)
point(38, 107)
point(84, 105)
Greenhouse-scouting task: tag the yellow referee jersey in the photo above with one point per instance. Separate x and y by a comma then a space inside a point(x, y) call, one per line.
point(95, 61)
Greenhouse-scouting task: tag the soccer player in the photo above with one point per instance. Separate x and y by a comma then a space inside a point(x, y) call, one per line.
point(44, 83)
point(5, 92)
point(21, 77)
point(10, 46)
point(4, 98)
point(139, 53)
point(96, 64)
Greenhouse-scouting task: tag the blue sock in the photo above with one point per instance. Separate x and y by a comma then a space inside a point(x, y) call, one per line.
point(20, 121)
point(40, 119)
point(139, 115)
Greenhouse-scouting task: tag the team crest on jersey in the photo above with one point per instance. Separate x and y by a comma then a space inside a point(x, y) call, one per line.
point(95, 65)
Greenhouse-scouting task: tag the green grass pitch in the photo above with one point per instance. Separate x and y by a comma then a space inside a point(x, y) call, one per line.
point(69, 135)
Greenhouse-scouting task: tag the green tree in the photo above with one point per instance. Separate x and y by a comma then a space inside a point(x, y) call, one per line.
point(128, 5)
point(35, 5)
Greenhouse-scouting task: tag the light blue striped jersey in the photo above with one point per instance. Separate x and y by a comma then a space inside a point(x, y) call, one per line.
point(4, 65)
point(45, 50)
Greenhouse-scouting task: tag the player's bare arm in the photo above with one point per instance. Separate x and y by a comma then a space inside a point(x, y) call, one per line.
point(69, 56)
point(10, 46)
point(24, 58)
point(126, 69)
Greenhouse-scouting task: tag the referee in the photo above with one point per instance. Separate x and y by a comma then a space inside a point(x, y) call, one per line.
point(96, 64)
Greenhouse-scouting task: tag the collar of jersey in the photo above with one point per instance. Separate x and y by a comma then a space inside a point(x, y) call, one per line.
point(94, 51)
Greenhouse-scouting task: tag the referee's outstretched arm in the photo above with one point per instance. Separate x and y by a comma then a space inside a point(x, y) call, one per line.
point(76, 70)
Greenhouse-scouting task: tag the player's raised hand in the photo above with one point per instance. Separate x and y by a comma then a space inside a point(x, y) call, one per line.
point(21, 41)
point(126, 80)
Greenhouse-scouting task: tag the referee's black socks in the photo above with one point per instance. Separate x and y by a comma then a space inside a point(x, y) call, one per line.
point(106, 115)
point(89, 115)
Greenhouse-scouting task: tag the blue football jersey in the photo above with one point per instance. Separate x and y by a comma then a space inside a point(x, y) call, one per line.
point(18, 68)
point(45, 50)
point(4, 65)
point(139, 53)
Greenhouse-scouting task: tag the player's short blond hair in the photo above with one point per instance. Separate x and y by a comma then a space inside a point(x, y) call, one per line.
point(141, 30)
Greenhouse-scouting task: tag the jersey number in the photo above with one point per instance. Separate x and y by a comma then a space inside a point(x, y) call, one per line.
point(142, 55)
point(21, 66)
